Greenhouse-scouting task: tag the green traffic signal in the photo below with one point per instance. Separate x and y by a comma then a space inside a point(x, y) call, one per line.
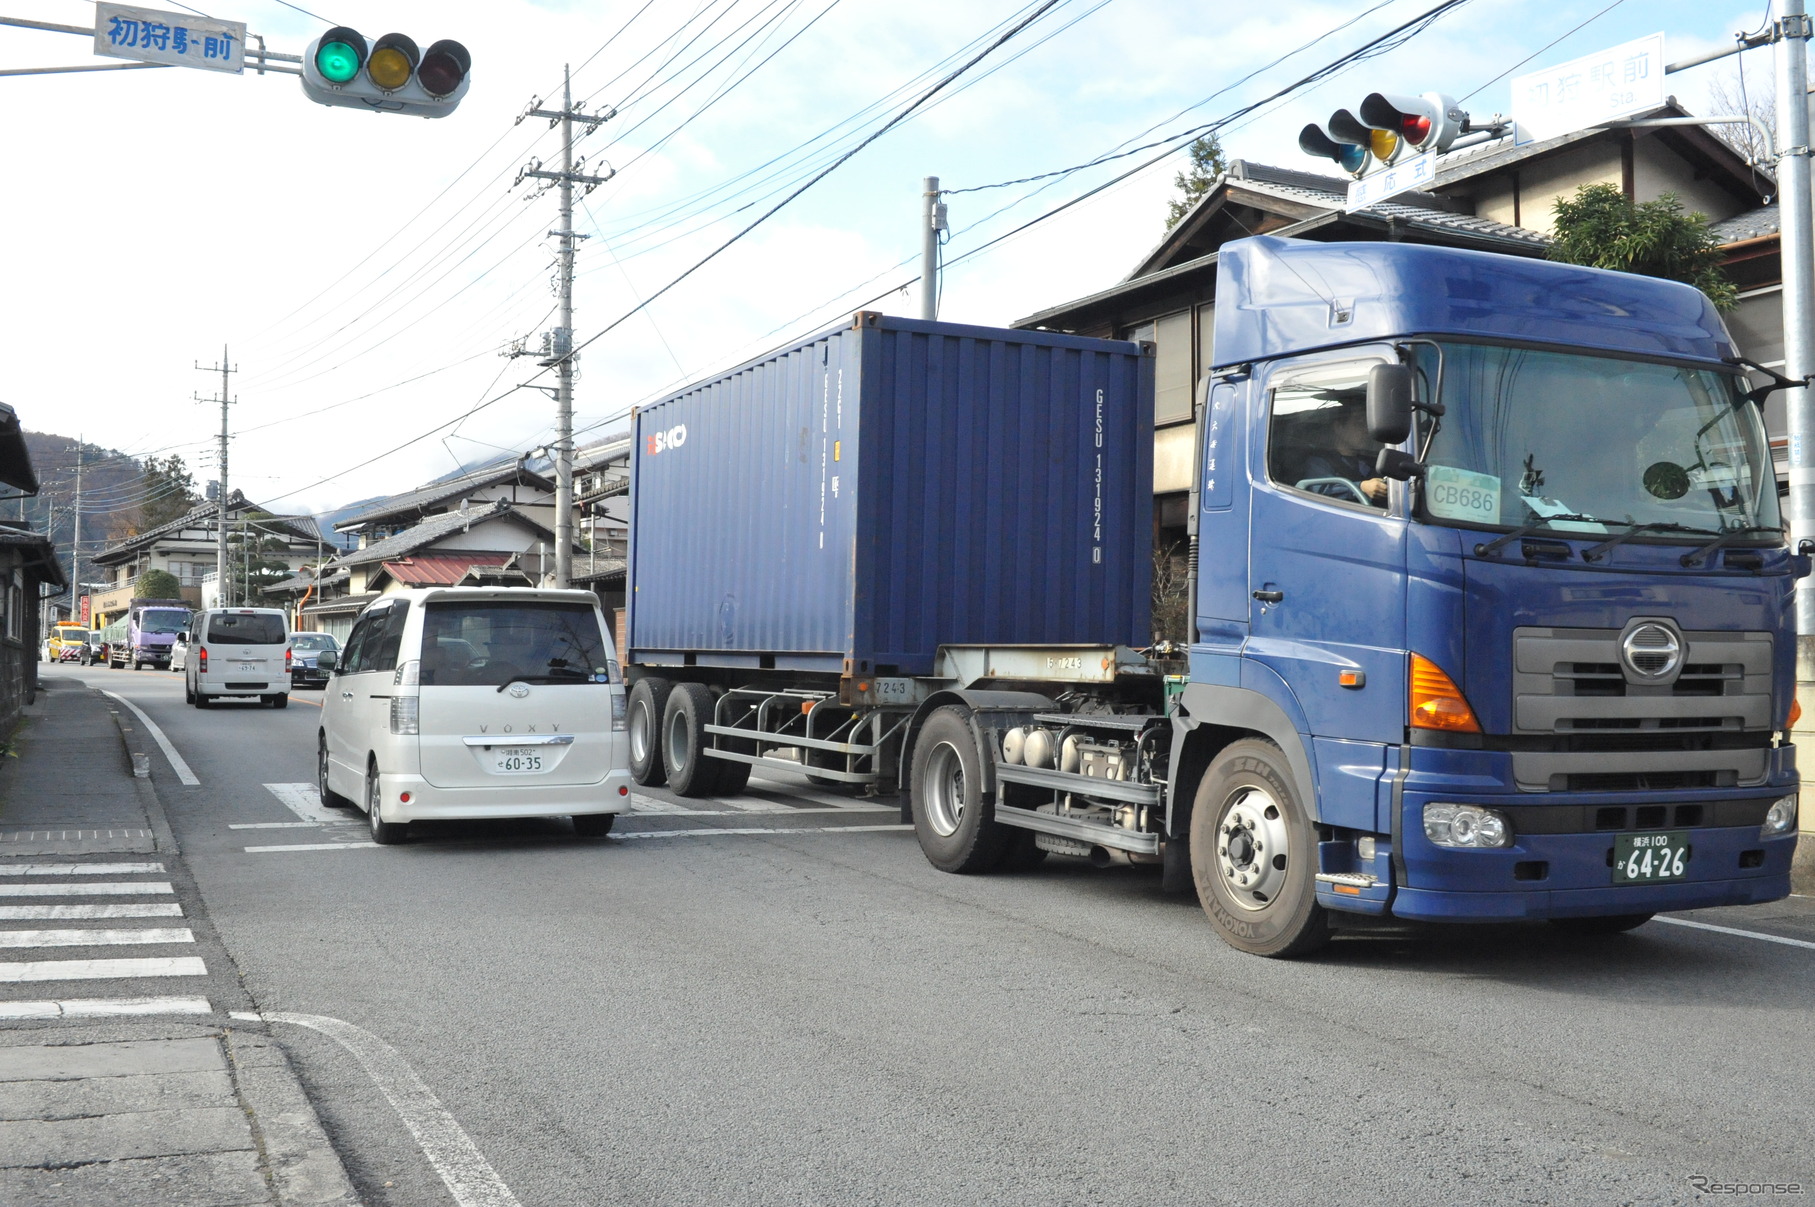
point(337, 62)
point(340, 54)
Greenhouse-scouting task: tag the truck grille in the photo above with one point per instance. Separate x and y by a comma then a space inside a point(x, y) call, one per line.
point(1709, 728)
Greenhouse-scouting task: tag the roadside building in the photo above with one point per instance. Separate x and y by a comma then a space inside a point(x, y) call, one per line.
point(531, 494)
point(28, 567)
point(188, 547)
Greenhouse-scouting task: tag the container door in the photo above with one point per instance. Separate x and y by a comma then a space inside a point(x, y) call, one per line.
point(516, 693)
point(1327, 555)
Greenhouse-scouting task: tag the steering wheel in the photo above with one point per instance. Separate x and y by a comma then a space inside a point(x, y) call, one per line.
point(1353, 489)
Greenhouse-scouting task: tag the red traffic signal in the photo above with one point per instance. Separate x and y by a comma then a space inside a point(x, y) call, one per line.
point(1429, 122)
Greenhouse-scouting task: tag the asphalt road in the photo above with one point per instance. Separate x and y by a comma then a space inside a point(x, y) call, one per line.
point(810, 1013)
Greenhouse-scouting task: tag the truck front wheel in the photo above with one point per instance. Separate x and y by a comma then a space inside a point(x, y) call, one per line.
point(956, 826)
point(1253, 854)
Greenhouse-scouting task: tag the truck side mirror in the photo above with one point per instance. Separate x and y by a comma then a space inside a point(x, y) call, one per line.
point(327, 661)
point(1390, 403)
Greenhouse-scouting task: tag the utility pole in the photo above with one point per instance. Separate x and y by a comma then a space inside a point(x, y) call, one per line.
point(1793, 182)
point(222, 572)
point(75, 537)
point(558, 349)
point(932, 222)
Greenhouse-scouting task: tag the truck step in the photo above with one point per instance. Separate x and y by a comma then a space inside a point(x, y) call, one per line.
point(1351, 879)
point(1092, 833)
point(1128, 722)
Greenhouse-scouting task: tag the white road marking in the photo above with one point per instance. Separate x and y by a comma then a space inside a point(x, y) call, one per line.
point(66, 913)
point(76, 937)
point(106, 888)
point(469, 1178)
point(104, 1007)
point(83, 869)
point(311, 846)
point(304, 801)
point(743, 812)
point(1744, 934)
point(96, 970)
point(708, 831)
point(176, 760)
point(276, 825)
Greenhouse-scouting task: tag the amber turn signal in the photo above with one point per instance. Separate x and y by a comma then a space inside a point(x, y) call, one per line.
point(1436, 702)
point(1795, 714)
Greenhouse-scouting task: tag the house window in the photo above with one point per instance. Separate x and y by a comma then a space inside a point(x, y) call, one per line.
point(1172, 365)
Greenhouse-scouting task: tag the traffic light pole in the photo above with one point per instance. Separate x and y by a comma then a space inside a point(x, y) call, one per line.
point(560, 348)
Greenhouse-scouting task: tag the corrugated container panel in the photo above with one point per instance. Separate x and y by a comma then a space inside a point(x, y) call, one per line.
point(853, 502)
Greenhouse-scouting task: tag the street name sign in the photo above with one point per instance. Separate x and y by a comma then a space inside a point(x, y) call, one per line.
point(1416, 172)
point(1605, 86)
point(173, 39)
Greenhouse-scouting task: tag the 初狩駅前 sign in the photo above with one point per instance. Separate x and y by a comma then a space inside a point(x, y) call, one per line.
point(174, 39)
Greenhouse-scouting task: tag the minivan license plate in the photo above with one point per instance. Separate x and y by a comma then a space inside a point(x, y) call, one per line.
point(517, 760)
point(1650, 858)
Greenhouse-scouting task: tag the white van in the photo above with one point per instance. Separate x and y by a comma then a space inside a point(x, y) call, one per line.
point(237, 652)
point(476, 702)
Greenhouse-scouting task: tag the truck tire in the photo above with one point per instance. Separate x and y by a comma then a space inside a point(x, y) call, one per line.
point(1254, 854)
point(954, 822)
point(684, 741)
point(648, 703)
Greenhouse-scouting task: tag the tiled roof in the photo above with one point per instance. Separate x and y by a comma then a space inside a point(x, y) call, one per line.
point(440, 569)
point(1421, 208)
point(206, 515)
point(414, 501)
point(605, 570)
point(340, 604)
point(431, 530)
point(1753, 224)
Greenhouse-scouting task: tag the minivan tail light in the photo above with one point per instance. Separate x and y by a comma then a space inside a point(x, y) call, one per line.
point(617, 710)
point(408, 674)
point(405, 715)
point(287, 657)
point(201, 662)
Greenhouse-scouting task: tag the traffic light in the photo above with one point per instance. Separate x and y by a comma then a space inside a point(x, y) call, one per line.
point(1387, 128)
point(390, 75)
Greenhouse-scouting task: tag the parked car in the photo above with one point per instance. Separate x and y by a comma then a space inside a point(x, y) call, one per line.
point(91, 649)
point(473, 702)
point(237, 652)
point(305, 671)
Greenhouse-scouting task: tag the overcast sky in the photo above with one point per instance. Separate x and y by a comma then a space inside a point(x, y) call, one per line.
point(365, 270)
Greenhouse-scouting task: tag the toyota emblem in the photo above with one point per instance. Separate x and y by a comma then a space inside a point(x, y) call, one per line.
point(519, 690)
point(1651, 651)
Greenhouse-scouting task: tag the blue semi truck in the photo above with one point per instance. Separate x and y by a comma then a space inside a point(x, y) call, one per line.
point(1490, 598)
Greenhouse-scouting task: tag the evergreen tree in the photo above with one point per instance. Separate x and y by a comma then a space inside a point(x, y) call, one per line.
point(157, 584)
point(1207, 164)
point(166, 492)
point(1603, 228)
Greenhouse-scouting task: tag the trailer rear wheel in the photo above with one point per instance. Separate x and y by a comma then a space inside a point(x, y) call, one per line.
point(1253, 854)
point(956, 826)
point(648, 701)
point(684, 740)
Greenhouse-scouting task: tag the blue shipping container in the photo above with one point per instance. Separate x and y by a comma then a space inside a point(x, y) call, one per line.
point(853, 502)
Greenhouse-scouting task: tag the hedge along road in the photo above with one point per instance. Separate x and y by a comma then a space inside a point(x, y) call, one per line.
point(767, 1017)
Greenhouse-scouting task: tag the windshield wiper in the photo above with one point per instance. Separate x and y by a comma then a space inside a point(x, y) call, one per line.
point(556, 675)
point(1726, 538)
point(1489, 548)
point(1595, 554)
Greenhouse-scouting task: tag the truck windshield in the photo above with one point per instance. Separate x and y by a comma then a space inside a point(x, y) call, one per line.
point(163, 620)
point(1592, 444)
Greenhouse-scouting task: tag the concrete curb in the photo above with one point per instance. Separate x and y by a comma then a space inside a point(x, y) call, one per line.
point(299, 1161)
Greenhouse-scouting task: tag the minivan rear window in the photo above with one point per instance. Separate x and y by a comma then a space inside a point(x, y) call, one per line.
point(491, 643)
point(256, 628)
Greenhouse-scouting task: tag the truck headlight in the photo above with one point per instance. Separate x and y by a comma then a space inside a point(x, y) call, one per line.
point(1466, 826)
point(1780, 818)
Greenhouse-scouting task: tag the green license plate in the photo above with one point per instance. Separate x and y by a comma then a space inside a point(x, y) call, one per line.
point(1650, 858)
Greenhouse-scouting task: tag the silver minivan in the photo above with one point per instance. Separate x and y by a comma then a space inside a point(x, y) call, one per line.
point(476, 702)
point(237, 652)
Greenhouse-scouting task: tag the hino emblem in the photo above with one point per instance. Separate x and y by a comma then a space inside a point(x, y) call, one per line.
point(1651, 651)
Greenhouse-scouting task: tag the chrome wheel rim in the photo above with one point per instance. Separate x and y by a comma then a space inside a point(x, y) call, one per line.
point(678, 748)
point(640, 725)
point(1253, 849)
point(944, 790)
point(372, 798)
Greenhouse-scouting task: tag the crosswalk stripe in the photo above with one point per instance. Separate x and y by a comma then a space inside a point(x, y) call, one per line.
point(708, 831)
point(82, 869)
point(64, 913)
point(104, 1007)
point(76, 937)
point(276, 825)
point(106, 888)
point(97, 970)
point(311, 846)
point(305, 801)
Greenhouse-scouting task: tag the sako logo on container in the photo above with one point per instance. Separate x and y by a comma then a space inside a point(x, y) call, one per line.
point(674, 437)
